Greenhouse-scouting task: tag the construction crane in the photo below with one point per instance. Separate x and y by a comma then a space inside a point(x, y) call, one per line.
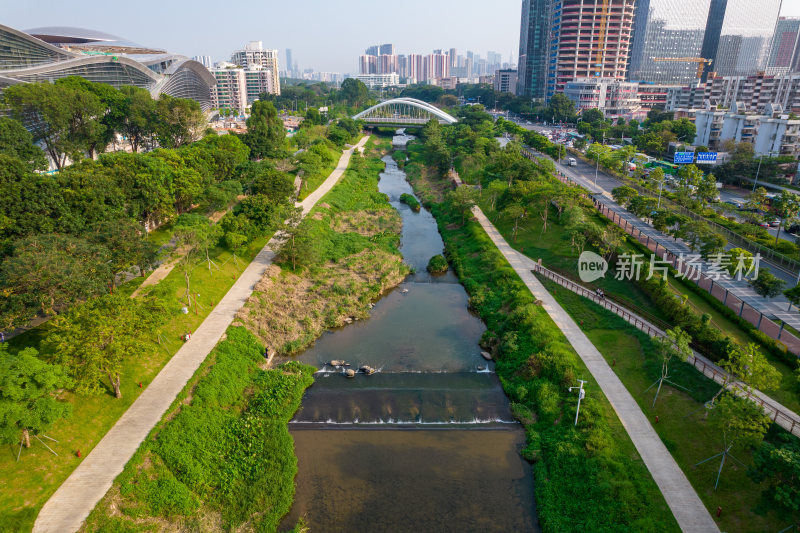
point(601, 38)
point(701, 62)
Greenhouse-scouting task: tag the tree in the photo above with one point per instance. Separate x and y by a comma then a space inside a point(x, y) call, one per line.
point(749, 366)
point(741, 422)
point(707, 189)
point(16, 141)
point(757, 200)
point(179, 121)
point(111, 116)
point(462, 199)
point(592, 115)
point(689, 177)
point(127, 244)
point(560, 108)
point(48, 274)
point(516, 212)
point(298, 245)
point(354, 92)
point(623, 195)
point(63, 118)
point(93, 340)
point(190, 230)
point(787, 207)
point(767, 284)
point(684, 129)
point(780, 467)
point(29, 390)
point(712, 243)
point(139, 117)
point(495, 189)
point(675, 343)
point(265, 135)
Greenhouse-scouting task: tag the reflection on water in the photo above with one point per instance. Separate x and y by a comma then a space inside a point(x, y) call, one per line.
point(413, 481)
point(427, 443)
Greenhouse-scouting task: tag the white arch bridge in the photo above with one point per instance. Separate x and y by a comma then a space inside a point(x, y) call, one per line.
point(403, 112)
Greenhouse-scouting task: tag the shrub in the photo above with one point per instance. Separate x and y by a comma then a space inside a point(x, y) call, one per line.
point(437, 264)
point(410, 201)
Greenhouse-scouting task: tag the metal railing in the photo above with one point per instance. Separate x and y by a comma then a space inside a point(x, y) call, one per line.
point(789, 422)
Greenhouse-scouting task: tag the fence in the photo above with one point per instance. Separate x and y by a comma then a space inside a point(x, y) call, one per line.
point(728, 299)
point(777, 259)
point(788, 421)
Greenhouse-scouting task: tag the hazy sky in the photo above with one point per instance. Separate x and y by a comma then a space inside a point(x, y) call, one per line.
point(326, 35)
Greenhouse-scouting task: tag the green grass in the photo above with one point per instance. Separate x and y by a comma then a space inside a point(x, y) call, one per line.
point(588, 478)
point(313, 179)
point(682, 424)
point(39, 473)
point(227, 454)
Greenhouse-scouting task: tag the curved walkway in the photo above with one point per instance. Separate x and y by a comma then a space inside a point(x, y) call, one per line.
point(679, 494)
point(69, 506)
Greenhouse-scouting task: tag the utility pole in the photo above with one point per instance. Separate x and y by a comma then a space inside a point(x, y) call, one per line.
point(759, 168)
point(581, 396)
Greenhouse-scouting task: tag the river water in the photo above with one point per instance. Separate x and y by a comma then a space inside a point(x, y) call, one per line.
point(427, 443)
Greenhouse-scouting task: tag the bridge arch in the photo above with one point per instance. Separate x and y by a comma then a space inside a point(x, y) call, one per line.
point(404, 111)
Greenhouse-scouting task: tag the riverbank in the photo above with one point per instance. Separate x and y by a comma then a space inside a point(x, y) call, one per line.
point(588, 477)
point(222, 458)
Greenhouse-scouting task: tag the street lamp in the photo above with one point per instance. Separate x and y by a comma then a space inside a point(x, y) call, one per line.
point(596, 168)
point(769, 154)
point(581, 395)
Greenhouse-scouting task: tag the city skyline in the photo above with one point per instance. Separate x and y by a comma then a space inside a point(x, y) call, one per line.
point(325, 41)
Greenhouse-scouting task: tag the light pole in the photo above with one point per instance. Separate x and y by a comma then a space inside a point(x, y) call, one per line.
point(660, 187)
point(581, 395)
point(759, 168)
point(596, 168)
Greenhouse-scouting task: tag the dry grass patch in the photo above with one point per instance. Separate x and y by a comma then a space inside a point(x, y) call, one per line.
point(368, 223)
point(288, 311)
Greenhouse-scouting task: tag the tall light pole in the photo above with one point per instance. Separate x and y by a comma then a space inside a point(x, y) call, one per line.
point(759, 168)
point(581, 395)
point(596, 168)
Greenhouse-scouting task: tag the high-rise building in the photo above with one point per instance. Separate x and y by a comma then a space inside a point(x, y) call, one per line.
point(453, 58)
point(372, 50)
point(783, 55)
point(289, 64)
point(203, 60)
point(588, 38)
point(738, 35)
point(667, 29)
point(533, 39)
point(386, 50)
point(258, 81)
point(254, 55)
point(505, 81)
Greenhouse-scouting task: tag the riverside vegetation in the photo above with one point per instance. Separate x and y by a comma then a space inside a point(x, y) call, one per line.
point(588, 477)
point(223, 458)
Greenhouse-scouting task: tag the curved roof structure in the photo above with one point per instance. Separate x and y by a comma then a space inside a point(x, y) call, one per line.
point(48, 54)
point(83, 39)
point(404, 110)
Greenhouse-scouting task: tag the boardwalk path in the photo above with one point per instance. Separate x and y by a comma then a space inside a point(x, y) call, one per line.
point(682, 499)
point(69, 506)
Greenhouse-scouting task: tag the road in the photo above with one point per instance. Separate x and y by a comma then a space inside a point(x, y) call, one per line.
point(584, 174)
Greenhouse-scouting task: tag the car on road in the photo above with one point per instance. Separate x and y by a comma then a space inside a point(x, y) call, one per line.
point(735, 203)
point(775, 223)
point(764, 224)
point(572, 162)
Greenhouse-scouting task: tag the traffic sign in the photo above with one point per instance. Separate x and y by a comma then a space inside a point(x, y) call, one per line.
point(707, 158)
point(681, 158)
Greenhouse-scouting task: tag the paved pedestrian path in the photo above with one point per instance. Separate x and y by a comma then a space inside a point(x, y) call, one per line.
point(69, 506)
point(682, 499)
point(777, 412)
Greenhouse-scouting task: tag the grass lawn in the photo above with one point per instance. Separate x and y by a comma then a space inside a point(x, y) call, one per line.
point(789, 392)
point(557, 255)
point(682, 425)
point(39, 473)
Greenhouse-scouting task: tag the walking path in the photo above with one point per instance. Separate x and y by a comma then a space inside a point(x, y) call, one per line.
point(69, 506)
point(778, 413)
point(682, 499)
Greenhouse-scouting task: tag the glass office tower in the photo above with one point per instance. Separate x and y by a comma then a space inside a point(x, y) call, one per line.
point(667, 29)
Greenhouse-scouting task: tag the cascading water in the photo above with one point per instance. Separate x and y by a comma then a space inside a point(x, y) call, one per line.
point(360, 468)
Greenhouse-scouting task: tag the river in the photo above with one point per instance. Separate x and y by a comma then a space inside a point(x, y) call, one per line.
point(428, 442)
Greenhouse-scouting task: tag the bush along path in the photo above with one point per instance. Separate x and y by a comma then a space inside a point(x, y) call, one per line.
point(176, 480)
point(69, 506)
point(682, 499)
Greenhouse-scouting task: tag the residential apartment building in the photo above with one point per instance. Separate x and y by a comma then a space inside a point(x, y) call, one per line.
point(254, 55)
point(230, 92)
point(771, 133)
point(372, 81)
point(258, 81)
point(755, 91)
